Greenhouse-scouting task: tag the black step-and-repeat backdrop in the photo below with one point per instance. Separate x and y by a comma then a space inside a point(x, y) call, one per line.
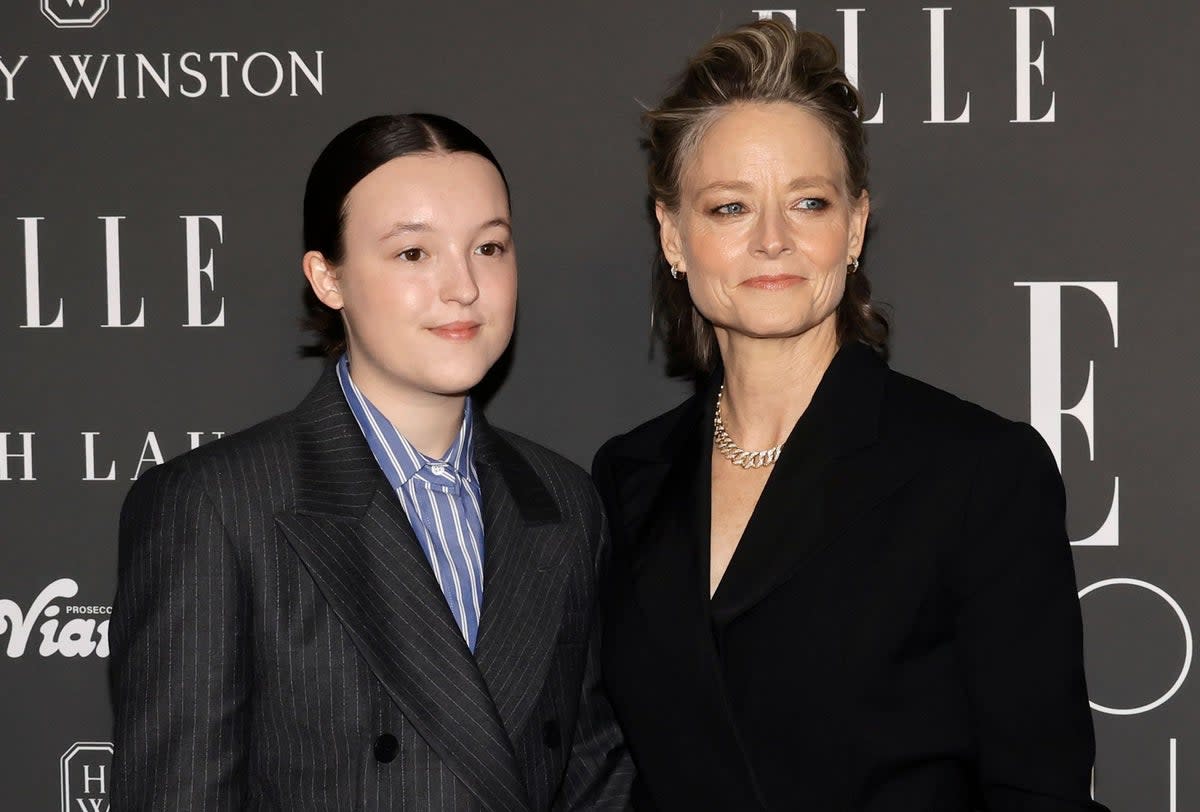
point(1034, 201)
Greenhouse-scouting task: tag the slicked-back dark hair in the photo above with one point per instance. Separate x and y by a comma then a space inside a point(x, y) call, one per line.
point(354, 153)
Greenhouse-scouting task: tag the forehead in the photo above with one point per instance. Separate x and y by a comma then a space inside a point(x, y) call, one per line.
point(749, 141)
point(442, 189)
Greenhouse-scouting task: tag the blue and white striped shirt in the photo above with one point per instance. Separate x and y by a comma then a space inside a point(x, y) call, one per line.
point(442, 499)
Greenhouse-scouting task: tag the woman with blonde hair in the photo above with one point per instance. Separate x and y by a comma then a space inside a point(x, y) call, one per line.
point(834, 587)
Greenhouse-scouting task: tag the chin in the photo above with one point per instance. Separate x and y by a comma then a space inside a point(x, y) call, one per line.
point(780, 328)
point(456, 378)
point(780, 322)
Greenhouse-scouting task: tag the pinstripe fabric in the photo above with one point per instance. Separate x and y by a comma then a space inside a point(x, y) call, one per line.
point(275, 616)
point(443, 495)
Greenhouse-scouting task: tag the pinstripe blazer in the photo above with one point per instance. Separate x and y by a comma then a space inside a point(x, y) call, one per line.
point(279, 640)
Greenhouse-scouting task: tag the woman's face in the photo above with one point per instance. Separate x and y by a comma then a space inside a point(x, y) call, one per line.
point(764, 228)
point(428, 282)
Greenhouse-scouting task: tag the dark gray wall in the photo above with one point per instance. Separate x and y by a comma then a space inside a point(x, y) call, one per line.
point(965, 213)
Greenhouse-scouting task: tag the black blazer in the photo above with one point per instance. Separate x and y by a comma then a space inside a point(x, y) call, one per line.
point(280, 642)
point(898, 629)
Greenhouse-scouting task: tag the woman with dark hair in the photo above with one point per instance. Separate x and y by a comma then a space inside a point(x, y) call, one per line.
point(377, 600)
point(833, 587)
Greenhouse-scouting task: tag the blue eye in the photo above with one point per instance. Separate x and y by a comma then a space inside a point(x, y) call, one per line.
point(729, 209)
point(813, 203)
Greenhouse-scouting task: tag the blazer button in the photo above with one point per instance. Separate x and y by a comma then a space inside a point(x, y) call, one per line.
point(386, 748)
point(550, 735)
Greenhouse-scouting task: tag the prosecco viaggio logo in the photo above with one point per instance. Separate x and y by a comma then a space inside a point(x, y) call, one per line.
point(54, 629)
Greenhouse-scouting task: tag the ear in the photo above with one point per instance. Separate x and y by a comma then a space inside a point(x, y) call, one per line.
point(668, 234)
point(859, 213)
point(322, 276)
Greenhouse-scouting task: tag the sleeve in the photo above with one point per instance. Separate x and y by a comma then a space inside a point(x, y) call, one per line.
point(599, 772)
point(179, 668)
point(1020, 635)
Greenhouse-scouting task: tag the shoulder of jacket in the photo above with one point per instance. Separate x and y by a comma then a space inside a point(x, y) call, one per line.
point(237, 455)
point(913, 405)
point(646, 440)
point(555, 470)
point(939, 419)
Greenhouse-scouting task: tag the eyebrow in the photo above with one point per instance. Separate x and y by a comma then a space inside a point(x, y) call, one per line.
point(742, 186)
point(495, 222)
point(420, 226)
point(414, 227)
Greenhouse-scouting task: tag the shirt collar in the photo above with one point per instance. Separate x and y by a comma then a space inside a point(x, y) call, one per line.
point(395, 454)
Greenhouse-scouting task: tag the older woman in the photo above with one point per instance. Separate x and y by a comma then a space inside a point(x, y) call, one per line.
point(834, 587)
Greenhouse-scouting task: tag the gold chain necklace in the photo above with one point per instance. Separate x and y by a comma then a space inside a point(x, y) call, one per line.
point(732, 451)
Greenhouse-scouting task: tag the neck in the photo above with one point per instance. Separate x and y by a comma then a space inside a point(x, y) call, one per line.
point(769, 383)
point(429, 421)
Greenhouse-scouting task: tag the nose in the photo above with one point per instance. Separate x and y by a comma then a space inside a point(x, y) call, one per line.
point(458, 283)
point(772, 234)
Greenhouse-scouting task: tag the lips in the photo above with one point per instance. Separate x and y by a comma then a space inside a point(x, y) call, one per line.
point(773, 281)
point(456, 330)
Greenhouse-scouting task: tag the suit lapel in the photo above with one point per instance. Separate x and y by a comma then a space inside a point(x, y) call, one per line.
point(667, 563)
point(834, 468)
point(350, 531)
point(670, 584)
point(836, 465)
point(522, 581)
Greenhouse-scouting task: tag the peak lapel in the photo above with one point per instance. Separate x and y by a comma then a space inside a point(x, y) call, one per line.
point(352, 535)
point(833, 470)
point(670, 584)
point(523, 582)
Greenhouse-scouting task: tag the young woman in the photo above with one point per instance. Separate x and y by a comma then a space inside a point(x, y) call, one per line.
point(377, 600)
